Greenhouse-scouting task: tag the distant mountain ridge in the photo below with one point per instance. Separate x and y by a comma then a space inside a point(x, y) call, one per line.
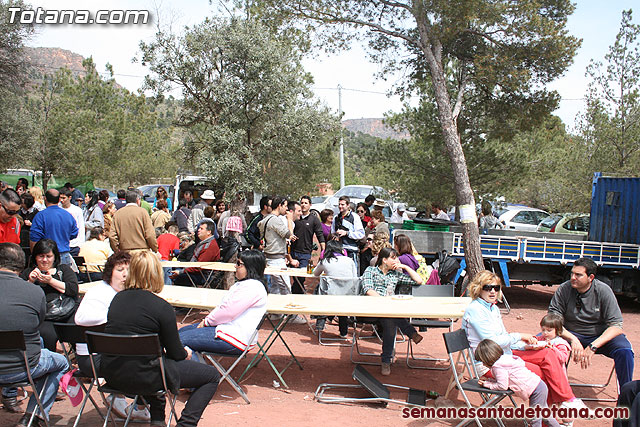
point(48, 60)
point(373, 127)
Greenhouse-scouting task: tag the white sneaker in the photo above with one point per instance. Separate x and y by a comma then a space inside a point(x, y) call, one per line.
point(139, 414)
point(297, 320)
point(119, 407)
point(578, 404)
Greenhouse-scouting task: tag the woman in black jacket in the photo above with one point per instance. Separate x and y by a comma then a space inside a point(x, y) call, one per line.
point(138, 310)
point(58, 281)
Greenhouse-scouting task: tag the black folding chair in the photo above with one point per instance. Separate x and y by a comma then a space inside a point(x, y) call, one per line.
point(14, 341)
point(457, 344)
point(215, 358)
point(128, 345)
point(378, 392)
point(426, 291)
point(69, 335)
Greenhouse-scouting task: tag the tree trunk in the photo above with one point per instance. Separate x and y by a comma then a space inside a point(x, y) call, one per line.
point(464, 194)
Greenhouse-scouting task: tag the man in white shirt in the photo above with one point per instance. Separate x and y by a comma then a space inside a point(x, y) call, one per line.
point(400, 215)
point(438, 213)
point(76, 212)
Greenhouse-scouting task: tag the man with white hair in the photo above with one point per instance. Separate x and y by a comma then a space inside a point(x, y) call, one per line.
point(400, 214)
point(197, 213)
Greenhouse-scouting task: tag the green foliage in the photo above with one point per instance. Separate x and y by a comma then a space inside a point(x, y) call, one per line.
point(611, 123)
point(88, 126)
point(12, 37)
point(250, 121)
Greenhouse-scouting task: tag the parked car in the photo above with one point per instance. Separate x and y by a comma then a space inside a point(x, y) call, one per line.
point(149, 191)
point(519, 217)
point(318, 203)
point(357, 194)
point(566, 223)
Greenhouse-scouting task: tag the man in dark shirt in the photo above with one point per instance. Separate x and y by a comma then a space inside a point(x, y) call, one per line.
point(592, 319)
point(23, 307)
point(253, 233)
point(120, 202)
point(304, 228)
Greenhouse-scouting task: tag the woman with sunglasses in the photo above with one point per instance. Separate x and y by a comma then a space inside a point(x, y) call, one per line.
point(482, 320)
point(161, 194)
point(363, 212)
point(228, 328)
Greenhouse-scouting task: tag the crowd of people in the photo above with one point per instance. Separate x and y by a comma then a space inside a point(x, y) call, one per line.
point(130, 237)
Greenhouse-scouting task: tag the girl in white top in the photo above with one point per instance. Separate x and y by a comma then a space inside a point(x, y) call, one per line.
point(229, 327)
point(93, 310)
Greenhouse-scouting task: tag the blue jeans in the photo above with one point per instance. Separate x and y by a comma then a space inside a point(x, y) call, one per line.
point(65, 258)
point(298, 282)
point(167, 271)
point(204, 339)
point(50, 369)
point(619, 349)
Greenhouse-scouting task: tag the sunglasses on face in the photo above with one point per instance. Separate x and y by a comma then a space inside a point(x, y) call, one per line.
point(491, 287)
point(239, 263)
point(360, 211)
point(10, 212)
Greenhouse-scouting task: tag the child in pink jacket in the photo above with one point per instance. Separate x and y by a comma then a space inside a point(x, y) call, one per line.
point(510, 373)
point(550, 336)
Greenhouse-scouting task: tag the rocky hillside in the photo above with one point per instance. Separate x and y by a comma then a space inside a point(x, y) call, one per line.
point(373, 127)
point(47, 60)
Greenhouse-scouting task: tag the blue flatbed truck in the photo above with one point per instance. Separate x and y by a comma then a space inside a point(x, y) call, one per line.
point(546, 258)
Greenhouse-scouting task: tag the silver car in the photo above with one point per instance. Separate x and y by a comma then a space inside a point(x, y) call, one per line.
point(357, 194)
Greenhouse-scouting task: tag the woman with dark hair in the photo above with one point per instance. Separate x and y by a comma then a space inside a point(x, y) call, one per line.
point(103, 198)
point(402, 244)
point(56, 280)
point(27, 211)
point(326, 218)
point(137, 309)
point(93, 310)
point(363, 212)
point(228, 328)
point(161, 194)
point(382, 280)
point(220, 206)
point(340, 278)
point(93, 216)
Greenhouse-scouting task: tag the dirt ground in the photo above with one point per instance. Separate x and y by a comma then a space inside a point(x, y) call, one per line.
point(277, 406)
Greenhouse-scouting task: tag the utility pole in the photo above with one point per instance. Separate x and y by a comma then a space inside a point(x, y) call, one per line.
point(341, 137)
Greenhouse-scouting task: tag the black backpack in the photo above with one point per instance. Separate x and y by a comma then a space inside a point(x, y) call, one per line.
point(447, 268)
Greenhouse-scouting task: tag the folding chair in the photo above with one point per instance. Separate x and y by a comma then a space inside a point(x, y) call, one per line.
point(457, 344)
point(69, 335)
point(14, 341)
point(128, 345)
point(426, 291)
point(601, 387)
point(226, 373)
point(336, 286)
point(357, 335)
point(379, 393)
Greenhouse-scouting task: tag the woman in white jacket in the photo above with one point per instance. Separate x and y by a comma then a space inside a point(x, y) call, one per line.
point(228, 328)
point(93, 311)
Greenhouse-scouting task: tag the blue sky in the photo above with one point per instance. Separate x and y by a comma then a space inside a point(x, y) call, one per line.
point(596, 22)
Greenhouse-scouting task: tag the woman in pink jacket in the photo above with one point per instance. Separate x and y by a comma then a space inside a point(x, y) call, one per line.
point(228, 328)
point(509, 373)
